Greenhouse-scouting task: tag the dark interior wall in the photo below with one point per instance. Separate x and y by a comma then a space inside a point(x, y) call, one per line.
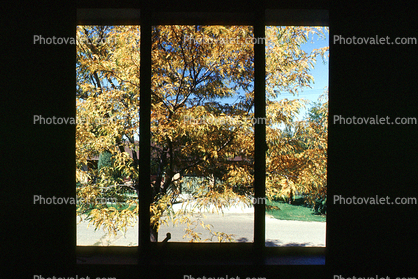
point(364, 160)
point(370, 160)
point(38, 159)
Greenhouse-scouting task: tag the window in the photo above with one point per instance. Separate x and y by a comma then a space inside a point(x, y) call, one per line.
point(154, 116)
point(296, 135)
point(107, 139)
point(201, 135)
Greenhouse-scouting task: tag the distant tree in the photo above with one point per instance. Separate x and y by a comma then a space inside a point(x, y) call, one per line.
point(297, 157)
point(105, 160)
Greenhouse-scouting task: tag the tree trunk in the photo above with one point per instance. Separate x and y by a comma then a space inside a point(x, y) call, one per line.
point(153, 234)
point(290, 196)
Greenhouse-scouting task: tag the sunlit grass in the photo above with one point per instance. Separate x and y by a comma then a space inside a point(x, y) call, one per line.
point(293, 212)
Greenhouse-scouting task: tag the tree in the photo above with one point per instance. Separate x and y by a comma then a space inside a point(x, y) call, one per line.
point(195, 69)
point(315, 131)
point(297, 157)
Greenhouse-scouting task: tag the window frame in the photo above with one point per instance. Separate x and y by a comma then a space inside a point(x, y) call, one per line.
point(254, 252)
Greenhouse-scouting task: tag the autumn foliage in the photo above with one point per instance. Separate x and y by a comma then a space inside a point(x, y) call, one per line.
point(202, 120)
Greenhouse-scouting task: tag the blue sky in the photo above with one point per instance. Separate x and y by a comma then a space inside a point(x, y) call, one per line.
point(319, 72)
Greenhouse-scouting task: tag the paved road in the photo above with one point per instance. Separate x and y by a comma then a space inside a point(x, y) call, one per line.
point(234, 221)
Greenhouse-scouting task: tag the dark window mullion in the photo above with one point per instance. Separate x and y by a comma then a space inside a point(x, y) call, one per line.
point(260, 130)
point(144, 133)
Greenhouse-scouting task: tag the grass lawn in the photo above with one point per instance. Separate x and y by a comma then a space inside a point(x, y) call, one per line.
point(293, 212)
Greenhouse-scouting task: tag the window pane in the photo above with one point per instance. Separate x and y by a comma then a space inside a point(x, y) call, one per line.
point(201, 133)
point(107, 141)
point(296, 135)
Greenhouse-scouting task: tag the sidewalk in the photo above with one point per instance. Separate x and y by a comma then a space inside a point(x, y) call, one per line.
point(237, 221)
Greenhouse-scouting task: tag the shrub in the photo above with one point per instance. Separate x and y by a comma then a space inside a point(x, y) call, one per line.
point(320, 206)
